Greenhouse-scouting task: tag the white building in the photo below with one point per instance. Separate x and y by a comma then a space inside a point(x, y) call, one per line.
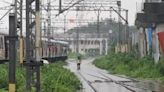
point(87, 44)
point(90, 45)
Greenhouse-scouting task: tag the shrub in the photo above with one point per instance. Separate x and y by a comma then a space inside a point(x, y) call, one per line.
point(54, 78)
point(128, 64)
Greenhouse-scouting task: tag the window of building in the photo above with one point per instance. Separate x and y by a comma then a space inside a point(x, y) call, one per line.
point(88, 42)
point(82, 42)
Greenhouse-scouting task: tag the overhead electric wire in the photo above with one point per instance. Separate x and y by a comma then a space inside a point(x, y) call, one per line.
point(70, 2)
point(6, 2)
point(6, 14)
point(69, 7)
point(50, 2)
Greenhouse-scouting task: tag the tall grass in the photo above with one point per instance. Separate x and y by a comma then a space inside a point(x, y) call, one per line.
point(130, 65)
point(54, 78)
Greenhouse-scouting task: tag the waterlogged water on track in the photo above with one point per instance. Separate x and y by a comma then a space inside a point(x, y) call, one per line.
point(94, 81)
point(154, 86)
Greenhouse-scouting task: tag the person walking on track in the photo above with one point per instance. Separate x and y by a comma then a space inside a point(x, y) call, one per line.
point(78, 61)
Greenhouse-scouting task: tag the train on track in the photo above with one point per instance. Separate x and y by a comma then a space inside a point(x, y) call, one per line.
point(54, 51)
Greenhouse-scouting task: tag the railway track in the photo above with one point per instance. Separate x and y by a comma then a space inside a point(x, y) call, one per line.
point(96, 79)
point(104, 78)
point(88, 82)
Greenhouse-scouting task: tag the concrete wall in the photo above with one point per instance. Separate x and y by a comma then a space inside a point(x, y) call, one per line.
point(143, 43)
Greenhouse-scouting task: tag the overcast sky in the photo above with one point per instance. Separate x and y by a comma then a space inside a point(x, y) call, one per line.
point(131, 5)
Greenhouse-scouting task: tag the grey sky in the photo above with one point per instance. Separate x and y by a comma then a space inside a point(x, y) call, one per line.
point(133, 6)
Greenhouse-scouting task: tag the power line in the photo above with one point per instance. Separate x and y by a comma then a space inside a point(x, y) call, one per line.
point(6, 14)
point(62, 11)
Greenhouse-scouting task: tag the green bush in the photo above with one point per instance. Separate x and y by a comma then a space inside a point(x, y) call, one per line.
point(58, 79)
point(54, 78)
point(3, 77)
point(130, 65)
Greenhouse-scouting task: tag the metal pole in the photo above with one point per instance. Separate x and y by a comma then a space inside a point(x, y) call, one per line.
point(12, 52)
point(37, 44)
point(28, 47)
point(127, 32)
point(64, 24)
point(33, 46)
point(60, 6)
point(18, 21)
point(98, 24)
point(37, 31)
point(45, 29)
point(119, 24)
point(49, 24)
point(77, 32)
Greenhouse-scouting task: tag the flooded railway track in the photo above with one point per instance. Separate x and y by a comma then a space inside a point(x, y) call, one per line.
point(88, 82)
point(104, 78)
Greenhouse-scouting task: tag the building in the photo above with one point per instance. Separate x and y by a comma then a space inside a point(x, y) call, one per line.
point(150, 22)
point(87, 44)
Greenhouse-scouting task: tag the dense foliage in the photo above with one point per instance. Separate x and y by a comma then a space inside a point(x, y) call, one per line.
point(130, 65)
point(54, 78)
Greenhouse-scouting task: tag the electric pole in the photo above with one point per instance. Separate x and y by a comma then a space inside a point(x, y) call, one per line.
point(12, 52)
point(60, 6)
point(49, 24)
point(15, 25)
point(119, 25)
point(98, 24)
point(18, 22)
point(33, 37)
point(77, 32)
point(65, 23)
point(127, 33)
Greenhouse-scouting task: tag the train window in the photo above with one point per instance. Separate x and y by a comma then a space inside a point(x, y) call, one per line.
point(88, 42)
point(95, 42)
point(92, 42)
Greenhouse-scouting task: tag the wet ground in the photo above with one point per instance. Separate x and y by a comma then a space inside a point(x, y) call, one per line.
point(97, 80)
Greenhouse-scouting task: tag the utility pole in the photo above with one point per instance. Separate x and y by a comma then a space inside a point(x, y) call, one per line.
point(44, 29)
point(119, 25)
point(127, 33)
point(60, 6)
point(65, 23)
point(33, 37)
point(12, 52)
point(49, 24)
point(98, 24)
point(15, 25)
point(77, 32)
point(18, 22)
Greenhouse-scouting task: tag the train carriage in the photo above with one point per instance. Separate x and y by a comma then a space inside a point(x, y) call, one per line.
point(55, 50)
point(50, 50)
